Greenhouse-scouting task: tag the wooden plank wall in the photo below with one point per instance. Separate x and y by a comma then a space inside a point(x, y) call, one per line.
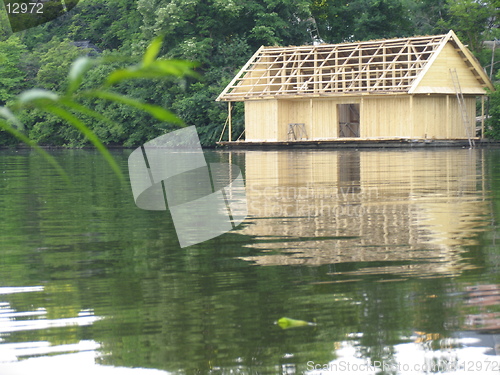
point(438, 79)
point(383, 117)
point(440, 117)
point(432, 118)
point(319, 116)
point(294, 111)
point(325, 119)
point(394, 116)
point(261, 120)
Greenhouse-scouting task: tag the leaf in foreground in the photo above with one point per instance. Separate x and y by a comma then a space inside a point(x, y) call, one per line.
point(78, 124)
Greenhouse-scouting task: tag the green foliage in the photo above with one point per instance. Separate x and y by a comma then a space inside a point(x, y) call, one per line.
point(11, 75)
point(470, 19)
point(380, 19)
point(493, 122)
point(485, 57)
point(5, 31)
point(340, 21)
point(55, 61)
point(109, 24)
point(220, 35)
point(193, 27)
point(426, 16)
point(65, 105)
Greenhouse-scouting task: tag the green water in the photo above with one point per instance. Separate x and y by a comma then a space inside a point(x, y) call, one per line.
point(395, 256)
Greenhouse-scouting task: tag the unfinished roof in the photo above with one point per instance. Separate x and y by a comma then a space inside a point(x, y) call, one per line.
point(374, 67)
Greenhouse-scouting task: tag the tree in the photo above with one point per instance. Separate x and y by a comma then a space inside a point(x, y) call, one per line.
point(204, 22)
point(339, 21)
point(220, 35)
point(55, 59)
point(493, 122)
point(11, 75)
point(5, 30)
point(425, 15)
point(67, 105)
point(380, 19)
point(110, 24)
point(470, 19)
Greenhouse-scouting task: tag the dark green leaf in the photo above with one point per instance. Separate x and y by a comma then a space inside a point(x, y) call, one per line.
point(154, 110)
point(86, 111)
point(78, 124)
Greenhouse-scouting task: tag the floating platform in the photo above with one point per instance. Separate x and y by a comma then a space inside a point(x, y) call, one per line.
point(358, 143)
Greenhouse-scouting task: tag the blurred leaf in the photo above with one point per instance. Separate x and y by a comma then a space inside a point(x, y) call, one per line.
point(78, 124)
point(156, 69)
point(78, 69)
point(154, 110)
point(178, 68)
point(87, 111)
point(10, 117)
point(37, 96)
point(152, 51)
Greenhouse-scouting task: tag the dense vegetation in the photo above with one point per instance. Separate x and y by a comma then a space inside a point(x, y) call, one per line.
point(220, 35)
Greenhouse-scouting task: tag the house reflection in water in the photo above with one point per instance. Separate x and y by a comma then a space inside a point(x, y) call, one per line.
point(322, 207)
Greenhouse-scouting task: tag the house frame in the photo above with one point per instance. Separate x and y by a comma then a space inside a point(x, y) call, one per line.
point(420, 88)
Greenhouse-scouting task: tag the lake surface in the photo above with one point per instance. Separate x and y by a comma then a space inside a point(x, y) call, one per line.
point(393, 254)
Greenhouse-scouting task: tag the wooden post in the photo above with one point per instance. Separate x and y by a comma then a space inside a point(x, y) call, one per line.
point(311, 120)
point(316, 74)
point(412, 118)
point(449, 131)
point(482, 116)
point(230, 121)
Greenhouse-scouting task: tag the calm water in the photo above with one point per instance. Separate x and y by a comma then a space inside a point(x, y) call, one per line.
point(394, 254)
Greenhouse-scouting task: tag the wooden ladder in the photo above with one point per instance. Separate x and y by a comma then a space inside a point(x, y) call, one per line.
point(461, 104)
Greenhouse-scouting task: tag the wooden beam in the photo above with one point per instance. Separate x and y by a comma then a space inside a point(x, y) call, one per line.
point(237, 76)
point(449, 130)
point(482, 116)
point(229, 116)
point(374, 66)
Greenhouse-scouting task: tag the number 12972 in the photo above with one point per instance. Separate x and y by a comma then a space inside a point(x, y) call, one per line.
point(24, 8)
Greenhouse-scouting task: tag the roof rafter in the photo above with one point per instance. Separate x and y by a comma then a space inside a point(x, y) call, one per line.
point(384, 66)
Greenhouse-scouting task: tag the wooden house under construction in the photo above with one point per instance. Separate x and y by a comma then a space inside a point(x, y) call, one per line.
point(419, 88)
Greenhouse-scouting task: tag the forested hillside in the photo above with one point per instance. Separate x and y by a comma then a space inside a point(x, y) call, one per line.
point(220, 35)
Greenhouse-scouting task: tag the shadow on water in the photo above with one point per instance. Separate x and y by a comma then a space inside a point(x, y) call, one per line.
point(394, 254)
